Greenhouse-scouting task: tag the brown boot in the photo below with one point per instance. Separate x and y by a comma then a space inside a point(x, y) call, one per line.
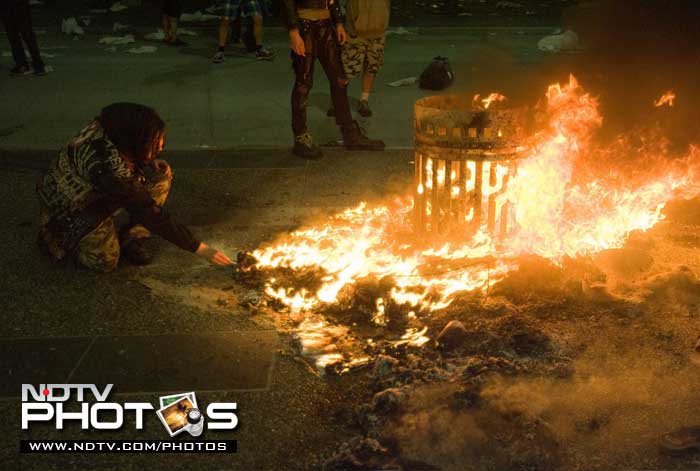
point(354, 138)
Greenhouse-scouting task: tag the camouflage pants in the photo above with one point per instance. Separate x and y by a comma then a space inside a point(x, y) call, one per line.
point(100, 249)
point(362, 53)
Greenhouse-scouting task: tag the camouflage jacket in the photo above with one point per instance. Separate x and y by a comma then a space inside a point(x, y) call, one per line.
point(87, 183)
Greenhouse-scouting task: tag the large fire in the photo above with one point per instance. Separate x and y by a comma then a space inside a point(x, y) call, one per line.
point(559, 211)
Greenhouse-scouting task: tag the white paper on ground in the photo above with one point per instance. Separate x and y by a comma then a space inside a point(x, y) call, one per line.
point(71, 26)
point(157, 36)
point(403, 82)
point(117, 6)
point(197, 16)
point(120, 27)
point(400, 31)
point(143, 50)
point(117, 40)
point(566, 41)
point(45, 55)
point(507, 4)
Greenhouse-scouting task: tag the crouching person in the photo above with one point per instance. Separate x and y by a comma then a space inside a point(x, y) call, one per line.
point(112, 165)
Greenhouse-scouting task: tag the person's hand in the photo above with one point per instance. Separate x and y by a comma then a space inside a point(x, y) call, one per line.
point(163, 167)
point(212, 255)
point(342, 35)
point(297, 43)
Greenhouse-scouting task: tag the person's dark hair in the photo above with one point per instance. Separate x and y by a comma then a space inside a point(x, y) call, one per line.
point(134, 129)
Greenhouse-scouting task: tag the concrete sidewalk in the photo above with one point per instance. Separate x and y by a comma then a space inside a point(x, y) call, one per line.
point(242, 103)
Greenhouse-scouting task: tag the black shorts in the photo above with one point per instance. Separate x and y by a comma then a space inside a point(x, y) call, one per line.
point(172, 8)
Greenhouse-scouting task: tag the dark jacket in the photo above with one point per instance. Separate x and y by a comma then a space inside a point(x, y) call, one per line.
point(290, 10)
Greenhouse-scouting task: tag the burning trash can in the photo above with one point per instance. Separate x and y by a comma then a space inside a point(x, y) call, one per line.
point(466, 151)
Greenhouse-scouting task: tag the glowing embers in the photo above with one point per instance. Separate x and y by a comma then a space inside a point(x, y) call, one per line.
point(465, 157)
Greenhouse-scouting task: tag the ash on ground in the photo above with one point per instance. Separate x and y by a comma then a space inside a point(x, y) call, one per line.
point(577, 366)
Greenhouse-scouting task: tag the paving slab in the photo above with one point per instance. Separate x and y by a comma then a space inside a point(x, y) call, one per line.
point(38, 361)
point(219, 361)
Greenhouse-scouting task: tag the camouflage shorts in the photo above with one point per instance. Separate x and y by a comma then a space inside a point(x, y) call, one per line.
point(100, 249)
point(362, 53)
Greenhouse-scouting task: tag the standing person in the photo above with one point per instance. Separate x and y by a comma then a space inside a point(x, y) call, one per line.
point(234, 10)
point(171, 13)
point(17, 19)
point(316, 31)
point(363, 52)
point(112, 164)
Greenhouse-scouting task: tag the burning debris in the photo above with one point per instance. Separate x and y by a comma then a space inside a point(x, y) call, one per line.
point(487, 192)
point(442, 315)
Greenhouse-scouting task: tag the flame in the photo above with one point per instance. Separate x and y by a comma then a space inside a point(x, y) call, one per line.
point(493, 97)
point(558, 213)
point(665, 99)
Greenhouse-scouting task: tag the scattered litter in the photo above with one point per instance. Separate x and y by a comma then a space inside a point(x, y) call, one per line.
point(120, 27)
point(143, 50)
point(566, 41)
point(214, 8)
point(117, 6)
point(403, 82)
point(157, 36)
point(71, 26)
point(45, 55)
point(48, 68)
point(117, 40)
point(506, 4)
point(197, 16)
point(400, 31)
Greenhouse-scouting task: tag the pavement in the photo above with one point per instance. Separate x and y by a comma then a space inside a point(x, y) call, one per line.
point(242, 103)
point(180, 324)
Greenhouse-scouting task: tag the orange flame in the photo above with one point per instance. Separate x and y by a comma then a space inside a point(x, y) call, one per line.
point(666, 99)
point(493, 97)
point(556, 214)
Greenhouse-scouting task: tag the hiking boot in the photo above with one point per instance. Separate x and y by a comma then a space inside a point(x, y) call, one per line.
point(136, 253)
point(218, 57)
point(263, 54)
point(39, 69)
point(305, 147)
point(331, 112)
point(354, 138)
point(22, 69)
point(364, 109)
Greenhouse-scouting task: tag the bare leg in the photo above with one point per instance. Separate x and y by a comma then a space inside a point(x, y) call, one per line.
point(223, 31)
point(166, 29)
point(173, 28)
point(367, 82)
point(258, 29)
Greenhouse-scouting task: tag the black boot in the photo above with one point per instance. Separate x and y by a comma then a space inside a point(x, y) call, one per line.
point(354, 138)
point(305, 147)
point(136, 253)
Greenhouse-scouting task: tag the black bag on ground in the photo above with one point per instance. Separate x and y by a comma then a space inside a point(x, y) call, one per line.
point(438, 75)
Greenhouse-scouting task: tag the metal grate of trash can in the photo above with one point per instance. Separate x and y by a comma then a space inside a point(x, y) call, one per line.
point(464, 159)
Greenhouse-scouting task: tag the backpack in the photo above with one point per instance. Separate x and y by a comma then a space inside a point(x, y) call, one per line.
point(438, 75)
